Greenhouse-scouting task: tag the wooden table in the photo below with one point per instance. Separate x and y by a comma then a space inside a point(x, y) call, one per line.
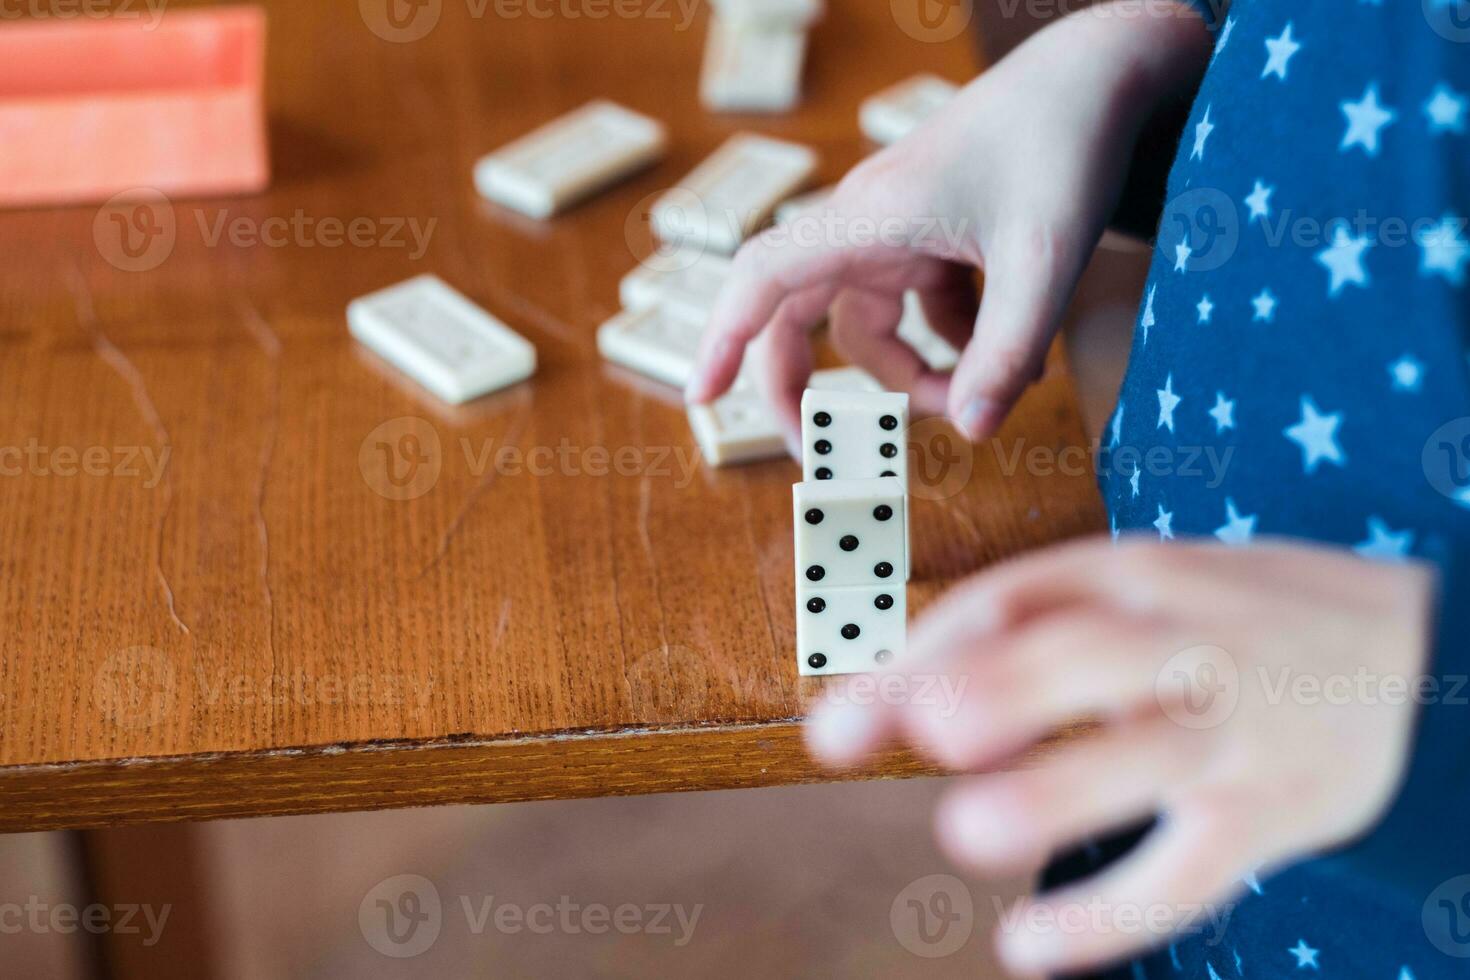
point(259, 626)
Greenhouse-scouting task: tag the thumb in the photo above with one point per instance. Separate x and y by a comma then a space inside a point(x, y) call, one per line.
point(1026, 289)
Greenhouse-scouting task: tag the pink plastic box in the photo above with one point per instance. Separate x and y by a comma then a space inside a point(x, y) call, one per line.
point(90, 108)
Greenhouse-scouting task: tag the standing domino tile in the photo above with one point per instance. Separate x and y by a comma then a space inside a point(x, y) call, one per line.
point(740, 427)
point(893, 113)
point(751, 69)
point(854, 435)
point(732, 192)
point(440, 339)
point(570, 158)
point(851, 544)
point(914, 330)
point(689, 284)
point(658, 341)
point(785, 13)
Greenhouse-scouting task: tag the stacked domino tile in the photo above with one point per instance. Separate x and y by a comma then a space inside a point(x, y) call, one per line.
point(851, 526)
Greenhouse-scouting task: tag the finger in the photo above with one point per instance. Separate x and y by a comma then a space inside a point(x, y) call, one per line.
point(1182, 878)
point(1014, 821)
point(783, 361)
point(1020, 687)
point(767, 271)
point(952, 305)
point(1026, 288)
point(863, 325)
point(850, 721)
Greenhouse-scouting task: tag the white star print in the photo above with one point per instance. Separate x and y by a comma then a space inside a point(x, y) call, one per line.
point(1181, 256)
point(1445, 250)
point(1205, 308)
point(1265, 305)
point(1259, 201)
point(1446, 110)
point(1405, 973)
point(1407, 373)
point(1147, 320)
point(1211, 968)
point(1133, 480)
point(1305, 955)
point(1253, 882)
point(1236, 532)
point(1168, 401)
point(1113, 527)
point(1226, 30)
point(1365, 118)
point(1117, 438)
point(1202, 132)
point(1317, 435)
point(1383, 543)
point(1279, 50)
point(1223, 413)
point(1165, 523)
point(1344, 260)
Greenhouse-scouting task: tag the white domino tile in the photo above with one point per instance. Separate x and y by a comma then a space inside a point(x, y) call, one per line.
point(657, 341)
point(850, 532)
point(914, 330)
point(849, 435)
point(789, 13)
point(440, 339)
point(732, 193)
point(688, 282)
point(570, 158)
point(849, 630)
point(893, 113)
point(751, 68)
point(739, 427)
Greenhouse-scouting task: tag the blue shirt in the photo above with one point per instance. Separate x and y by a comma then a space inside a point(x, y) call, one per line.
point(1299, 369)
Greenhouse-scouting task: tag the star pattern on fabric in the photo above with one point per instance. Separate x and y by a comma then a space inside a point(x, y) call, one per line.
point(1305, 955)
point(1316, 433)
point(1259, 201)
point(1343, 260)
point(1165, 524)
point(1223, 413)
point(1365, 118)
point(1168, 401)
point(1446, 110)
point(1279, 51)
point(1205, 308)
point(1202, 131)
point(1264, 303)
point(1237, 532)
point(1445, 250)
point(1407, 373)
point(1383, 543)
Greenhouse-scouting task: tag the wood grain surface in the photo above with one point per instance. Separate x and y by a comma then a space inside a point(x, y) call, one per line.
point(217, 603)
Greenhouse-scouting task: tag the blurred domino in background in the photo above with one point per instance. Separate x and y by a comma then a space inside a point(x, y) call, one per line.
point(687, 283)
point(440, 339)
point(656, 341)
point(893, 113)
point(570, 158)
point(752, 68)
point(740, 426)
point(732, 193)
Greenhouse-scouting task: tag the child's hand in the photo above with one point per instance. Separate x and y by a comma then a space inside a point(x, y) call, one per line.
point(1016, 176)
point(1261, 701)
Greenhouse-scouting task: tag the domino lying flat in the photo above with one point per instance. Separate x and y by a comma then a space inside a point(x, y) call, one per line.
point(658, 341)
point(731, 193)
point(851, 563)
point(896, 111)
point(440, 339)
point(687, 284)
point(741, 428)
point(751, 69)
point(570, 158)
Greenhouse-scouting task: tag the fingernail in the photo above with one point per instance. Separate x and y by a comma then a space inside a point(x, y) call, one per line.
point(976, 830)
point(977, 417)
point(839, 732)
point(1032, 949)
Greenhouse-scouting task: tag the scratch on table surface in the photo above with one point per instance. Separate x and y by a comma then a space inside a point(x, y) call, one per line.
point(270, 343)
point(512, 438)
point(500, 626)
point(86, 314)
